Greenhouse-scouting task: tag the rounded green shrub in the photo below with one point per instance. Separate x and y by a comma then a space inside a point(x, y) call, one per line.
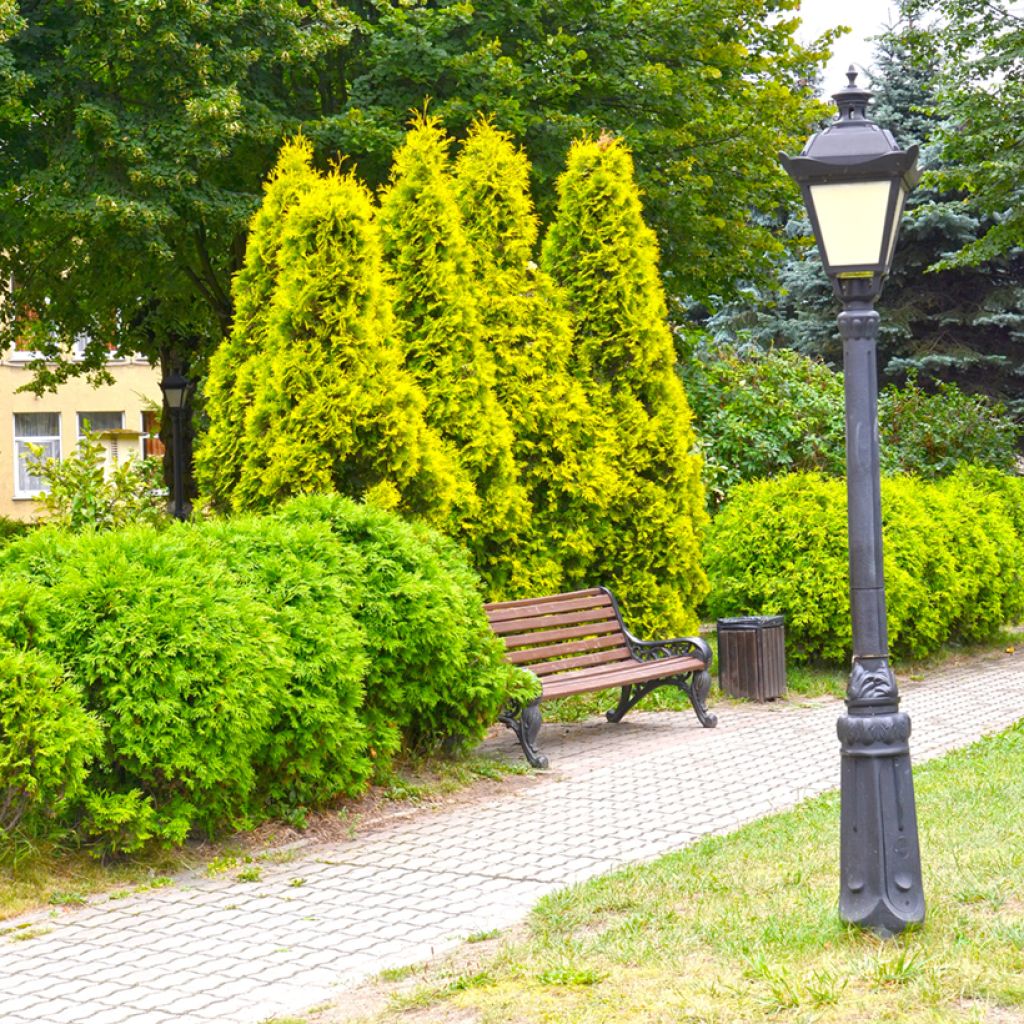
point(47, 740)
point(178, 663)
point(316, 745)
point(227, 670)
point(435, 671)
point(954, 562)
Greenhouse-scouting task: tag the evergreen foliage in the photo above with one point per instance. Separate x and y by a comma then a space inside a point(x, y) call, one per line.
point(238, 367)
point(162, 683)
point(953, 551)
point(600, 251)
point(559, 445)
point(976, 48)
point(430, 262)
point(330, 407)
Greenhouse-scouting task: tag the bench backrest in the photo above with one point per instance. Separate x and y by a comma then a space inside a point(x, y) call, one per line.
point(560, 632)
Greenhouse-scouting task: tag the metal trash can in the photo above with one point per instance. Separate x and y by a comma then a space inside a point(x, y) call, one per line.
point(752, 657)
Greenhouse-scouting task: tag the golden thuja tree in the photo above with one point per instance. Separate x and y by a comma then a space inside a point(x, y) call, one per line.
point(430, 262)
point(605, 258)
point(240, 360)
point(334, 409)
point(560, 445)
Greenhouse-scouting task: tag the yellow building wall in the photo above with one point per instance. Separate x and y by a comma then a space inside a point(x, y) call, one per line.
point(136, 388)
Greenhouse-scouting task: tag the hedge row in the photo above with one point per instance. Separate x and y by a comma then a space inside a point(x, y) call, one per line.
point(954, 559)
point(154, 683)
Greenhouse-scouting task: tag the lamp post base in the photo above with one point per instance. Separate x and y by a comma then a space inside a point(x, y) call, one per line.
point(880, 862)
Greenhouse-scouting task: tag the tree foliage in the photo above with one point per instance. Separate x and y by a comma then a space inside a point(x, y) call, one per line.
point(943, 321)
point(558, 441)
point(136, 136)
point(431, 264)
point(239, 366)
point(977, 48)
point(330, 407)
point(600, 251)
point(131, 164)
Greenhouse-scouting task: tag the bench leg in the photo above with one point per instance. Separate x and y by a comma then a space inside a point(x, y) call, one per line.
point(696, 686)
point(526, 725)
point(626, 701)
point(698, 690)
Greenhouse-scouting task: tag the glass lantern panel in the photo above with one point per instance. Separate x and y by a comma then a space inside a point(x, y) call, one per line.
point(895, 230)
point(851, 218)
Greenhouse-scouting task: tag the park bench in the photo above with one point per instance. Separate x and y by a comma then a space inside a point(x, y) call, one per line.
point(577, 643)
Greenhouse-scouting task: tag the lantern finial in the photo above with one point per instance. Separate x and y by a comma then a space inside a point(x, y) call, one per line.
point(852, 101)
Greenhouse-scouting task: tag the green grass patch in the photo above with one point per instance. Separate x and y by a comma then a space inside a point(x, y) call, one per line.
point(744, 928)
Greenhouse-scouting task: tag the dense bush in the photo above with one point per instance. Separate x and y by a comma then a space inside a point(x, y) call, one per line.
point(233, 669)
point(953, 552)
point(47, 738)
point(930, 434)
point(12, 529)
point(435, 670)
point(763, 413)
point(82, 495)
point(178, 662)
point(759, 414)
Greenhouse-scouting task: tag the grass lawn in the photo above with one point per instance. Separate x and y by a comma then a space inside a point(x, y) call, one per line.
point(744, 928)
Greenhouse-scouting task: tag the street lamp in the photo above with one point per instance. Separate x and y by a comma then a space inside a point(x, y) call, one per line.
point(854, 180)
point(176, 389)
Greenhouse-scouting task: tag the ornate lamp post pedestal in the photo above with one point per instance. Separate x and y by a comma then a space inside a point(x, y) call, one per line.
point(855, 179)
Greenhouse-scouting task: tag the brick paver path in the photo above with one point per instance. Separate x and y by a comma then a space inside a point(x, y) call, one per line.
point(236, 952)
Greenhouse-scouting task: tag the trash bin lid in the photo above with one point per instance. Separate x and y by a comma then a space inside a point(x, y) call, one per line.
point(752, 622)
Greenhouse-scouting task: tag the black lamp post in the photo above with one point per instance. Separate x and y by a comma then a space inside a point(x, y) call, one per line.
point(855, 180)
point(176, 389)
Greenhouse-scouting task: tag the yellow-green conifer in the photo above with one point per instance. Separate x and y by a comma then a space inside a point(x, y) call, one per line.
point(560, 447)
point(336, 409)
point(600, 251)
point(240, 361)
point(431, 266)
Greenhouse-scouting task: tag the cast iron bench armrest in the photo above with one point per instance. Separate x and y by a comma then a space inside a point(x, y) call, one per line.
point(677, 647)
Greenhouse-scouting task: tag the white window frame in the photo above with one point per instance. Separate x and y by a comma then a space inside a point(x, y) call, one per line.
point(19, 493)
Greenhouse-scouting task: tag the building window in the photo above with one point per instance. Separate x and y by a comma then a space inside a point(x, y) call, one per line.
point(152, 446)
point(98, 422)
point(35, 428)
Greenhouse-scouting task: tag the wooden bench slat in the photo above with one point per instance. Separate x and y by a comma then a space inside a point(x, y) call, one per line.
point(551, 635)
point(617, 655)
point(606, 614)
point(498, 605)
point(529, 610)
point(594, 643)
point(587, 680)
